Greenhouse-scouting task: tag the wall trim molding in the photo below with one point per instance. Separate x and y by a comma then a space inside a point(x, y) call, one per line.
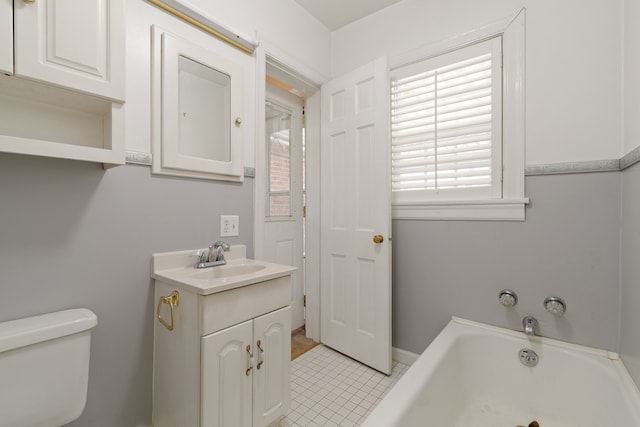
point(573, 167)
point(249, 172)
point(630, 159)
point(611, 165)
point(138, 158)
point(146, 159)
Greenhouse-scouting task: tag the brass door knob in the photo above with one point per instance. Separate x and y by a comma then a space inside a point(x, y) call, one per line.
point(378, 238)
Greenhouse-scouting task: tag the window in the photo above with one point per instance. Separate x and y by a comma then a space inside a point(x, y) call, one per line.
point(278, 128)
point(457, 125)
point(446, 125)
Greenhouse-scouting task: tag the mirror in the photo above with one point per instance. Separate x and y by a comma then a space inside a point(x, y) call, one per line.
point(204, 111)
point(197, 111)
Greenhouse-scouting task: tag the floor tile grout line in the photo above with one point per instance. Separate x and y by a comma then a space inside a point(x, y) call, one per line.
point(333, 390)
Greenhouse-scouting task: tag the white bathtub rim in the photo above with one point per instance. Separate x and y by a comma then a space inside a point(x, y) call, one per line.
point(391, 410)
point(611, 355)
point(633, 392)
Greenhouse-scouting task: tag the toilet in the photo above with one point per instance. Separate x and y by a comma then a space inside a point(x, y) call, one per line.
point(44, 368)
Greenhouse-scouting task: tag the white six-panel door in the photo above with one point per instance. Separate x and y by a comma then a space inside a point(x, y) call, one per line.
point(356, 207)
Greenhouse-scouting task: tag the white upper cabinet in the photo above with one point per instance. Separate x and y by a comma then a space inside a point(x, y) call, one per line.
point(76, 44)
point(62, 79)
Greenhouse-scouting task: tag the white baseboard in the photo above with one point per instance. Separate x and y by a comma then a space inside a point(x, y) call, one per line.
point(403, 356)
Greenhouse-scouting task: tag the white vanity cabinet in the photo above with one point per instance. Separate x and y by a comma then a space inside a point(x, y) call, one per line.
point(245, 372)
point(224, 360)
point(62, 81)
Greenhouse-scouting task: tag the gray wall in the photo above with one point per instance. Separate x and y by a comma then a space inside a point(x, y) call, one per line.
point(74, 235)
point(630, 267)
point(568, 247)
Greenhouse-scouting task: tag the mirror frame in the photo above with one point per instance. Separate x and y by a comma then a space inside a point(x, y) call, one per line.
point(167, 159)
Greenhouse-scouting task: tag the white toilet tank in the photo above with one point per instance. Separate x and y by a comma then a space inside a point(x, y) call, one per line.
point(44, 368)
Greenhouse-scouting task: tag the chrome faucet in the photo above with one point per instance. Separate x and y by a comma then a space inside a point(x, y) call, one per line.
point(216, 251)
point(214, 257)
point(530, 324)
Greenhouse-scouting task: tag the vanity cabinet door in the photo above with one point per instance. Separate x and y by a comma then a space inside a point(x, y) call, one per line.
point(76, 44)
point(6, 36)
point(271, 383)
point(226, 399)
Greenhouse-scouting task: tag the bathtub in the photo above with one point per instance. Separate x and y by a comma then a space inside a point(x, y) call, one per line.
point(472, 376)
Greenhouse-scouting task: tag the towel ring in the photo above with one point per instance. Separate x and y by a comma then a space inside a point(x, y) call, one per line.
point(172, 300)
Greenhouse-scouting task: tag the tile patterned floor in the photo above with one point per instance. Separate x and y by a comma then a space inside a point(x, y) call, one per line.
point(332, 390)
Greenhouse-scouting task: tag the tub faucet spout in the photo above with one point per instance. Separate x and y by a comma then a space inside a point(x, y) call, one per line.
point(529, 323)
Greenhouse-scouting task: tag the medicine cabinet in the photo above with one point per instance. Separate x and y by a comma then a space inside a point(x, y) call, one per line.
point(196, 109)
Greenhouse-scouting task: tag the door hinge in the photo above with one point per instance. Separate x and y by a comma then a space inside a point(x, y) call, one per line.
point(304, 301)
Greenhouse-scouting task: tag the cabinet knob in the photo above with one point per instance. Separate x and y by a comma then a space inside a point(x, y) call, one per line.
point(238, 119)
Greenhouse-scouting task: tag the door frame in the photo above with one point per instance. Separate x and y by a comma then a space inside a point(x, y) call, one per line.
point(267, 53)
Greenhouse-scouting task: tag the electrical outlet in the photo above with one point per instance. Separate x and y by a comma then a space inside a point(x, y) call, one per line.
point(229, 225)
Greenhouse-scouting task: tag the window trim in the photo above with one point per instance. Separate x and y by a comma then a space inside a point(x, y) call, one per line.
point(512, 204)
point(429, 70)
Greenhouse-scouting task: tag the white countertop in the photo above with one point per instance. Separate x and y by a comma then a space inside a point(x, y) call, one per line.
point(178, 269)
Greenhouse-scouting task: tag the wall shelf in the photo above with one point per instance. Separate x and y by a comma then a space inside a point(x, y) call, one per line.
point(48, 121)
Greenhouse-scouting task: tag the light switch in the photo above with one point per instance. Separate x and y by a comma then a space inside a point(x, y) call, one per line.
point(229, 225)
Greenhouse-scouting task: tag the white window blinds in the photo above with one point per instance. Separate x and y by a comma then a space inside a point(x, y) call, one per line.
point(446, 125)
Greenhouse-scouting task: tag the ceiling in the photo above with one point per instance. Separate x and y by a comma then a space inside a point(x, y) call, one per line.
point(334, 14)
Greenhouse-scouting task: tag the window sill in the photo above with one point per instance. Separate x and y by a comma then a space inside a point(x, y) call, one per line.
point(468, 210)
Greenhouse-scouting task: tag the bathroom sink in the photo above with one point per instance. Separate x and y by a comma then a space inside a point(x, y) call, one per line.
point(178, 269)
point(228, 270)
